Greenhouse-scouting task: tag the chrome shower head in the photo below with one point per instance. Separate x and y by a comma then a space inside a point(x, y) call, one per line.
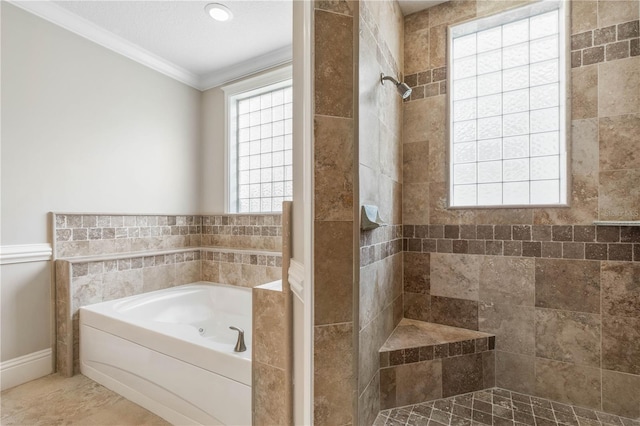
point(403, 88)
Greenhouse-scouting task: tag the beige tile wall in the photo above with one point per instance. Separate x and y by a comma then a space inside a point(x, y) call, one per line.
point(380, 184)
point(560, 294)
point(334, 237)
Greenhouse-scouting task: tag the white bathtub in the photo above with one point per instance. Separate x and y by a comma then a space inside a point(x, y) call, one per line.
point(171, 351)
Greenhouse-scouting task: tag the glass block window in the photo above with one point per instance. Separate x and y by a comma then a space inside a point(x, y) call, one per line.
point(260, 142)
point(507, 109)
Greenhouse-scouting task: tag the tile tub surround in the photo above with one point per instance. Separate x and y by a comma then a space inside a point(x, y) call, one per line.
point(497, 407)
point(425, 361)
point(543, 280)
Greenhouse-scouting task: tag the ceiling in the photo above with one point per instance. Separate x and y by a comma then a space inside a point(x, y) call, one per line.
point(178, 38)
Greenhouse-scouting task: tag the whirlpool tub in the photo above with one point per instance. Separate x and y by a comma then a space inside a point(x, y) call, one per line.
point(172, 352)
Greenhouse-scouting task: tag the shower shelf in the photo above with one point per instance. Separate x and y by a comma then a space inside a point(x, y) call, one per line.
point(616, 222)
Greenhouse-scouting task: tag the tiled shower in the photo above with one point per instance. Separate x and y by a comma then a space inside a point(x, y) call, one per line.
point(559, 292)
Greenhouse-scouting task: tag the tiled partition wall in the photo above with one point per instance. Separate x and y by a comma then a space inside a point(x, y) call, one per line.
point(334, 217)
point(380, 171)
point(561, 295)
point(105, 257)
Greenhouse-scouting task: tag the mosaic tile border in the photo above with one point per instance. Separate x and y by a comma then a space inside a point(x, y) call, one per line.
point(380, 243)
point(580, 242)
point(81, 269)
point(242, 258)
point(605, 44)
point(428, 83)
point(445, 350)
point(497, 407)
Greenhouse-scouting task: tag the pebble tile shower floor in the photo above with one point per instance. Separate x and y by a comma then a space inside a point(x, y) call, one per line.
point(496, 407)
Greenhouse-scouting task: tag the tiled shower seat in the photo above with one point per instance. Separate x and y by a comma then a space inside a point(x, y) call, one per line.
point(423, 361)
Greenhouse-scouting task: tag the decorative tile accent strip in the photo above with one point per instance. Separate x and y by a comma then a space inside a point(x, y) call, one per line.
point(380, 243)
point(445, 350)
point(605, 44)
point(621, 243)
point(243, 258)
point(432, 82)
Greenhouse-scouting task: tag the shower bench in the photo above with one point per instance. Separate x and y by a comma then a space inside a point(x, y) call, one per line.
point(422, 361)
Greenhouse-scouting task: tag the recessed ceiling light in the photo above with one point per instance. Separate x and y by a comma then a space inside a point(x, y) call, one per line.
point(219, 12)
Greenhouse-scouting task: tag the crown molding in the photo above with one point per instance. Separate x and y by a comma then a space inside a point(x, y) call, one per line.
point(251, 66)
point(58, 15)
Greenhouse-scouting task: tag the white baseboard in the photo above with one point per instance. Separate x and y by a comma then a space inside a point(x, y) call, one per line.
point(25, 368)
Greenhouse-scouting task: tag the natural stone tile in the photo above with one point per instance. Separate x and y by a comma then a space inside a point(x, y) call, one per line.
point(336, 6)
point(438, 46)
point(515, 372)
point(333, 374)
point(618, 82)
point(619, 142)
point(269, 389)
point(621, 394)
point(369, 402)
point(584, 16)
point(619, 50)
point(415, 201)
point(513, 326)
point(416, 51)
point(620, 289)
point(333, 64)
point(455, 275)
point(415, 155)
point(489, 7)
point(507, 280)
point(417, 306)
point(454, 312)
point(616, 11)
point(462, 374)
point(451, 12)
point(621, 344)
point(584, 92)
point(416, 272)
point(412, 383)
point(333, 170)
point(558, 282)
point(584, 204)
point(333, 275)
point(568, 383)
point(269, 328)
point(416, 21)
point(619, 195)
point(568, 336)
point(439, 211)
point(584, 147)
point(415, 128)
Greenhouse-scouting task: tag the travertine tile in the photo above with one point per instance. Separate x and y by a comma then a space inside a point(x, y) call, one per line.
point(410, 383)
point(333, 287)
point(462, 374)
point(369, 402)
point(417, 306)
point(333, 168)
point(584, 147)
point(455, 275)
point(416, 272)
point(621, 394)
point(415, 202)
point(616, 11)
point(584, 16)
point(454, 312)
point(515, 371)
point(415, 128)
point(416, 51)
point(333, 374)
point(268, 389)
point(439, 211)
point(489, 7)
point(619, 142)
point(513, 326)
point(584, 92)
point(558, 282)
point(568, 383)
point(621, 344)
point(416, 21)
point(619, 195)
point(333, 64)
point(620, 289)
point(269, 342)
point(451, 12)
point(437, 46)
point(568, 336)
point(507, 280)
point(415, 156)
point(344, 7)
point(618, 83)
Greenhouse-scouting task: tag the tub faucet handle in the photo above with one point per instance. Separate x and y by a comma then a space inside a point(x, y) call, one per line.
point(240, 346)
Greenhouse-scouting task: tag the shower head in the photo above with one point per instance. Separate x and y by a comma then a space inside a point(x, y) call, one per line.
point(403, 88)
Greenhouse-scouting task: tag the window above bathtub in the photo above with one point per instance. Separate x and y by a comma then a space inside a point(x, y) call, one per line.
point(259, 143)
point(507, 108)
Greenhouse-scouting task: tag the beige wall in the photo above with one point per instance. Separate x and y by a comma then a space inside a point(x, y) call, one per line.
point(560, 294)
point(213, 151)
point(83, 129)
point(380, 184)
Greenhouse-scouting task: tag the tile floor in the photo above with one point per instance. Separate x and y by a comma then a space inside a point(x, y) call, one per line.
point(496, 407)
point(56, 400)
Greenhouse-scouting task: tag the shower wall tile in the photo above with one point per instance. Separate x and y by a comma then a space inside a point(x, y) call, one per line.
point(621, 394)
point(515, 371)
point(333, 66)
point(584, 91)
point(568, 336)
point(333, 168)
point(513, 326)
point(618, 84)
point(454, 312)
point(619, 195)
point(621, 344)
point(614, 12)
point(558, 282)
point(584, 16)
point(620, 289)
point(269, 327)
point(269, 385)
point(568, 383)
point(455, 275)
point(507, 280)
point(410, 384)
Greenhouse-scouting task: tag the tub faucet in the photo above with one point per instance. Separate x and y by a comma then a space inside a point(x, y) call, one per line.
point(240, 346)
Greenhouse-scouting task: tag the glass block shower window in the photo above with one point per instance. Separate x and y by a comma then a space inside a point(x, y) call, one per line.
point(507, 109)
point(264, 172)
